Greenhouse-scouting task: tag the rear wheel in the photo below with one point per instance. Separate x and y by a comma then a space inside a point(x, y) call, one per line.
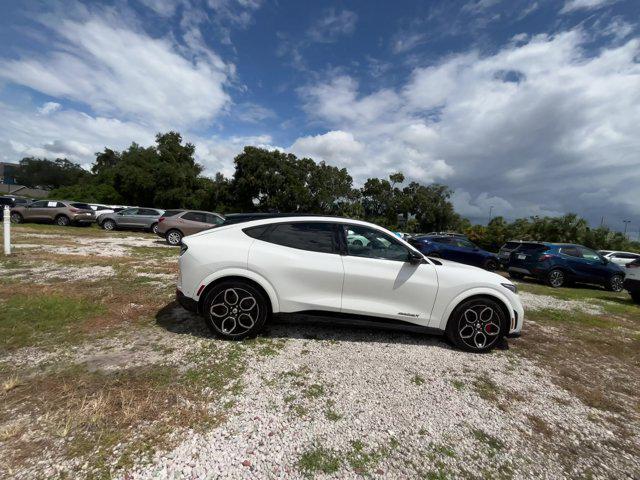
point(556, 278)
point(615, 283)
point(62, 221)
point(16, 218)
point(491, 265)
point(174, 237)
point(154, 228)
point(109, 225)
point(235, 310)
point(477, 325)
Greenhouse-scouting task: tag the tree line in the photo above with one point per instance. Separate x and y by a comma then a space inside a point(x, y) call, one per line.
point(166, 175)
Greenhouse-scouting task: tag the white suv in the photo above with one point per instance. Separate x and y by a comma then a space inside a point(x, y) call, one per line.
point(237, 276)
point(620, 258)
point(632, 279)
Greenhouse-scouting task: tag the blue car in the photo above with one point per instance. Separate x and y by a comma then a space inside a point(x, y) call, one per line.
point(561, 263)
point(455, 248)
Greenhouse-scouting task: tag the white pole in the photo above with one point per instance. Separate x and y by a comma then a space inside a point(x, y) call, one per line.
point(7, 230)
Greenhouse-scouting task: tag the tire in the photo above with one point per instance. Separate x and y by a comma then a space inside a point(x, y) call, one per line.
point(556, 278)
point(62, 221)
point(154, 228)
point(16, 218)
point(614, 284)
point(174, 237)
point(108, 225)
point(516, 275)
point(235, 310)
point(477, 325)
point(635, 296)
point(491, 265)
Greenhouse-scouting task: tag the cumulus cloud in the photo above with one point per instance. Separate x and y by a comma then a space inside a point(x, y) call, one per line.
point(49, 107)
point(335, 147)
point(538, 122)
point(116, 71)
point(164, 8)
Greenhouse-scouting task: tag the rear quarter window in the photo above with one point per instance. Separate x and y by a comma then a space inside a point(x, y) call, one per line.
point(81, 206)
point(310, 236)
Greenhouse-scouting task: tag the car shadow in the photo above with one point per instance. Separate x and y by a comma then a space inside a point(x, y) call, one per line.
point(175, 319)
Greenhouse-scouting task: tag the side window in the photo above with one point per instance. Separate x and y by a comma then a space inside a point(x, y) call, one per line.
point(213, 219)
point(148, 211)
point(194, 217)
point(370, 243)
point(130, 211)
point(589, 254)
point(39, 204)
point(256, 232)
point(571, 251)
point(312, 236)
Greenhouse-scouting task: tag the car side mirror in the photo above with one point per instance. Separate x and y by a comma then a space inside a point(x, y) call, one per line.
point(415, 258)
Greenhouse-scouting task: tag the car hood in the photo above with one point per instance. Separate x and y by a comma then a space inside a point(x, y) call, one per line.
point(489, 277)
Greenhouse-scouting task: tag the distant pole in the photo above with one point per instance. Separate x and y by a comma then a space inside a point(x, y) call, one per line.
point(7, 230)
point(490, 211)
point(626, 223)
point(602, 221)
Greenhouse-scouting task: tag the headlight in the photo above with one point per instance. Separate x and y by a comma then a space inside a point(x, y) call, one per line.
point(510, 286)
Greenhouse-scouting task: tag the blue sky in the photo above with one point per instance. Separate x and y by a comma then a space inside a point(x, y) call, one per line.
point(531, 107)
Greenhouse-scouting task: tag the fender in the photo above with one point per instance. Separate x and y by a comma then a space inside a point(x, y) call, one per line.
point(240, 272)
point(472, 292)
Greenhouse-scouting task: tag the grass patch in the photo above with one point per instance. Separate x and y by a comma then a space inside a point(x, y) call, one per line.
point(550, 315)
point(319, 460)
point(486, 388)
point(314, 391)
point(330, 413)
point(457, 384)
point(493, 444)
point(45, 318)
point(418, 380)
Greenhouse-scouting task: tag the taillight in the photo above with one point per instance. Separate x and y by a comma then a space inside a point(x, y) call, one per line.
point(545, 257)
point(161, 219)
point(633, 265)
point(74, 210)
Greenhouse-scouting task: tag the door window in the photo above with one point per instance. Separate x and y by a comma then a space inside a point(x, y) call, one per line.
point(195, 217)
point(571, 251)
point(39, 204)
point(370, 243)
point(147, 211)
point(213, 219)
point(589, 254)
point(129, 211)
point(312, 236)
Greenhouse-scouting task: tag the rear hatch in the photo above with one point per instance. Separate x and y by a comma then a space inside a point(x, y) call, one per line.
point(526, 255)
point(506, 249)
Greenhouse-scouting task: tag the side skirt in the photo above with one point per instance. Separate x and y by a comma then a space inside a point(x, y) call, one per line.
point(353, 320)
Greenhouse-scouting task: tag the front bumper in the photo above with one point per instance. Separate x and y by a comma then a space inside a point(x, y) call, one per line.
point(631, 285)
point(186, 302)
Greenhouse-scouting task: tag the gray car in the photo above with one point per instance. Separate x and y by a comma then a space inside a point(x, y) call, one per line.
point(136, 218)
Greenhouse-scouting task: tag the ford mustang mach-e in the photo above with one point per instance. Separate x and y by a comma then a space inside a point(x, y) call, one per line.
point(237, 276)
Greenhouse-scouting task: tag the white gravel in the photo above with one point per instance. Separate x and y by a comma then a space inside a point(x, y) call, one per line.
point(51, 272)
point(366, 377)
point(92, 246)
point(533, 301)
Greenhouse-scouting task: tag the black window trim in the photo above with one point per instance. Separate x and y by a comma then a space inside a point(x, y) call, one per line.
point(272, 226)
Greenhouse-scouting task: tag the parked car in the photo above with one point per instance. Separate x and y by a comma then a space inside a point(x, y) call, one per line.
point(5, 201)
point(455, 248)
point(620, 258)
point(132, 218)
point(632, 279)
point(60, 212)
point(237, 276)
point(505, 251)
point(562, 263)
point(174, 227)
point(14, 200)
point(101, 209)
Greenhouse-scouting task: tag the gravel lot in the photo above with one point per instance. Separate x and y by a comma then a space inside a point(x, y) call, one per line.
point(311, 399)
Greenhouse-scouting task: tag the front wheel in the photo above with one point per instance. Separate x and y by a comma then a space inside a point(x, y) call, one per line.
point(235, 310)
point(556, 278)
point(491, 265)
point(174, 237)
point(109, 225)
point(615, 283)
point(16, 218)
point(477, 325)
point(154, 228)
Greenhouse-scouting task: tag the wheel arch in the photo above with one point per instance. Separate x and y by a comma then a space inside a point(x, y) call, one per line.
point(478, 293)
point(244, 276)
point(60, 215)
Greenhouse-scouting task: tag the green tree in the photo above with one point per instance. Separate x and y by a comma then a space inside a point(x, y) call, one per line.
point(49, 174)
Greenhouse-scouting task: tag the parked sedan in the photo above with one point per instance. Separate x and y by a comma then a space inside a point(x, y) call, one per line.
point(174, 227)
point(237, 276)
point(60, 212)
point(132, 219)
point(562, 263)
point(632, 280)
point(620, 258)
point(455, 248)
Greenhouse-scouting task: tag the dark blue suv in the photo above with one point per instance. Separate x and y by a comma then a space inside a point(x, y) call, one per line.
point(562, 263)
point(457, 249)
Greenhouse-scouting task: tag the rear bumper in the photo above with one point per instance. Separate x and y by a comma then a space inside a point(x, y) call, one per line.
point(523, 271)
point(186, 302)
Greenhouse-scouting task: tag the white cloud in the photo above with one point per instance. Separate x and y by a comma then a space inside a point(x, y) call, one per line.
point(335, 147)
point(573, 5)
point(332, 25)
point(539, 123)
point(115, 70)
point(49, 107)
point(164, 8)
point(405, 41)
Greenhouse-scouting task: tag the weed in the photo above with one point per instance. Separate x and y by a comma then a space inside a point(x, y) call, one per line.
point(318, 460)
point(486, 388)
point(418, 380)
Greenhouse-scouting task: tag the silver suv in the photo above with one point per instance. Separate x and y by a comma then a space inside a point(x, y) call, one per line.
point(136, 218)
